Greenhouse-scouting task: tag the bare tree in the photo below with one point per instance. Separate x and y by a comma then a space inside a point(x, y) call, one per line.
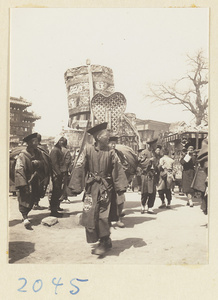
point(189, 91)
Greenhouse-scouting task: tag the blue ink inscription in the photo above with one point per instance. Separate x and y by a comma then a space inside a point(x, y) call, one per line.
point(56, 284)
point(38, 284)
point(25, 282)
point(77, 289)
point(39, 288)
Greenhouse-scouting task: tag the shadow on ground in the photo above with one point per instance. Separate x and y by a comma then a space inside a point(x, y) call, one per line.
point(120, 246)
point(131, 222)
point(19, 250)
point(132, 204)
point(14, 222)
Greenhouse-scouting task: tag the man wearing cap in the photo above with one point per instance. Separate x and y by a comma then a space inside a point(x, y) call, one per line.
point(47, 168)
point(148, 188)
point(98, 170)
point(29, 173)
point(56, 156)
point(188, 174)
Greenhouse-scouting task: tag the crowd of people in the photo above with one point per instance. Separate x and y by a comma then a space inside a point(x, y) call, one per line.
point(104, 172)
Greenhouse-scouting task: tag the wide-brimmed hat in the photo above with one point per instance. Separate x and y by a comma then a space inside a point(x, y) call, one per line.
point(151, 141)
point(97, 128)
point(30, 137)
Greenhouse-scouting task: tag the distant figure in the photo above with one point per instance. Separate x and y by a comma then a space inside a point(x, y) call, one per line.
point(47, 170)
point(56, 157)
point(166, 179)
point(98, 170)
point(148, 188)
point(29, 172)
point(65, 164)
point(188, 164)
point(119, 198)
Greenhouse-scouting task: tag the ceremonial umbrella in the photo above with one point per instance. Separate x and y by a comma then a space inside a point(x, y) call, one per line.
point(130, 156)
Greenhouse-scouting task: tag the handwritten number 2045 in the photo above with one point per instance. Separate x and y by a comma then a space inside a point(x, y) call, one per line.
point(37, 285)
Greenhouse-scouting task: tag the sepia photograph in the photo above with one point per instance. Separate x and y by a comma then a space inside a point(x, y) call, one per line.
point(108, 136)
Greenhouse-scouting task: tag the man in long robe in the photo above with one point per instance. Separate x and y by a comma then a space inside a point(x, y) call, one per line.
point(56, 156)
point(29, 172)
point(148, 187)
point(98, 170)
point(47, 170)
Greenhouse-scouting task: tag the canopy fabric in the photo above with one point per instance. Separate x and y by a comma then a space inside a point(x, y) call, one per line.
point(130, 157)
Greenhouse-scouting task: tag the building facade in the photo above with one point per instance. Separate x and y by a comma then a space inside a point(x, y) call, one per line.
point(21, 120)
point(150, 129)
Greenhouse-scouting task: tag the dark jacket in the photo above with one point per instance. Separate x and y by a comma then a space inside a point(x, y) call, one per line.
point(56, 156)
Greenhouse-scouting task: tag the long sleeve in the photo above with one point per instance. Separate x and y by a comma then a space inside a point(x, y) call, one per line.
point(55, 161)
point(20, 174)
point(118, 175)
point(77, 177)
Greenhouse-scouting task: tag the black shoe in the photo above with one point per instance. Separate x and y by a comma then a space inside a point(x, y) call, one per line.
point(60, 209)
point(56, 214)
point(108, 243)
point(163, 205)
point(100, 250)
point(36, 207)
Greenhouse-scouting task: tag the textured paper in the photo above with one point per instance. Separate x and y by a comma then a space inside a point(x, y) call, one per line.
point(111, 281)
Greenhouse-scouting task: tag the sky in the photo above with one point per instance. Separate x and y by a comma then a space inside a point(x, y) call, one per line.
point(142, 46)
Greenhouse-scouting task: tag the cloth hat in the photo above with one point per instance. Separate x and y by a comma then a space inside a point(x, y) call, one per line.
point(57, 139)
point(141, 148)
point(97, 128)
point(113, 138)
point(190, 148)
point(151, 141)
point(30, 137)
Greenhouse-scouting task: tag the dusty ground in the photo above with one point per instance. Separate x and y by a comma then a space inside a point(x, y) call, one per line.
point(176, 236)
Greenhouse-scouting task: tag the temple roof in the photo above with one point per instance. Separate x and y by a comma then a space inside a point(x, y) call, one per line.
point(20, 101)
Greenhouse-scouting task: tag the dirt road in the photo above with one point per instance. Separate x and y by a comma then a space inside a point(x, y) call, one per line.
point(171, 236)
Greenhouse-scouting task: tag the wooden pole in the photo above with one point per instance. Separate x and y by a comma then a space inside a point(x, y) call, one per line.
point(91, 90)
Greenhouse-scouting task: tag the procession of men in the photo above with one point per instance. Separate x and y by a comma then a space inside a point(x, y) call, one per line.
point(103, 171)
